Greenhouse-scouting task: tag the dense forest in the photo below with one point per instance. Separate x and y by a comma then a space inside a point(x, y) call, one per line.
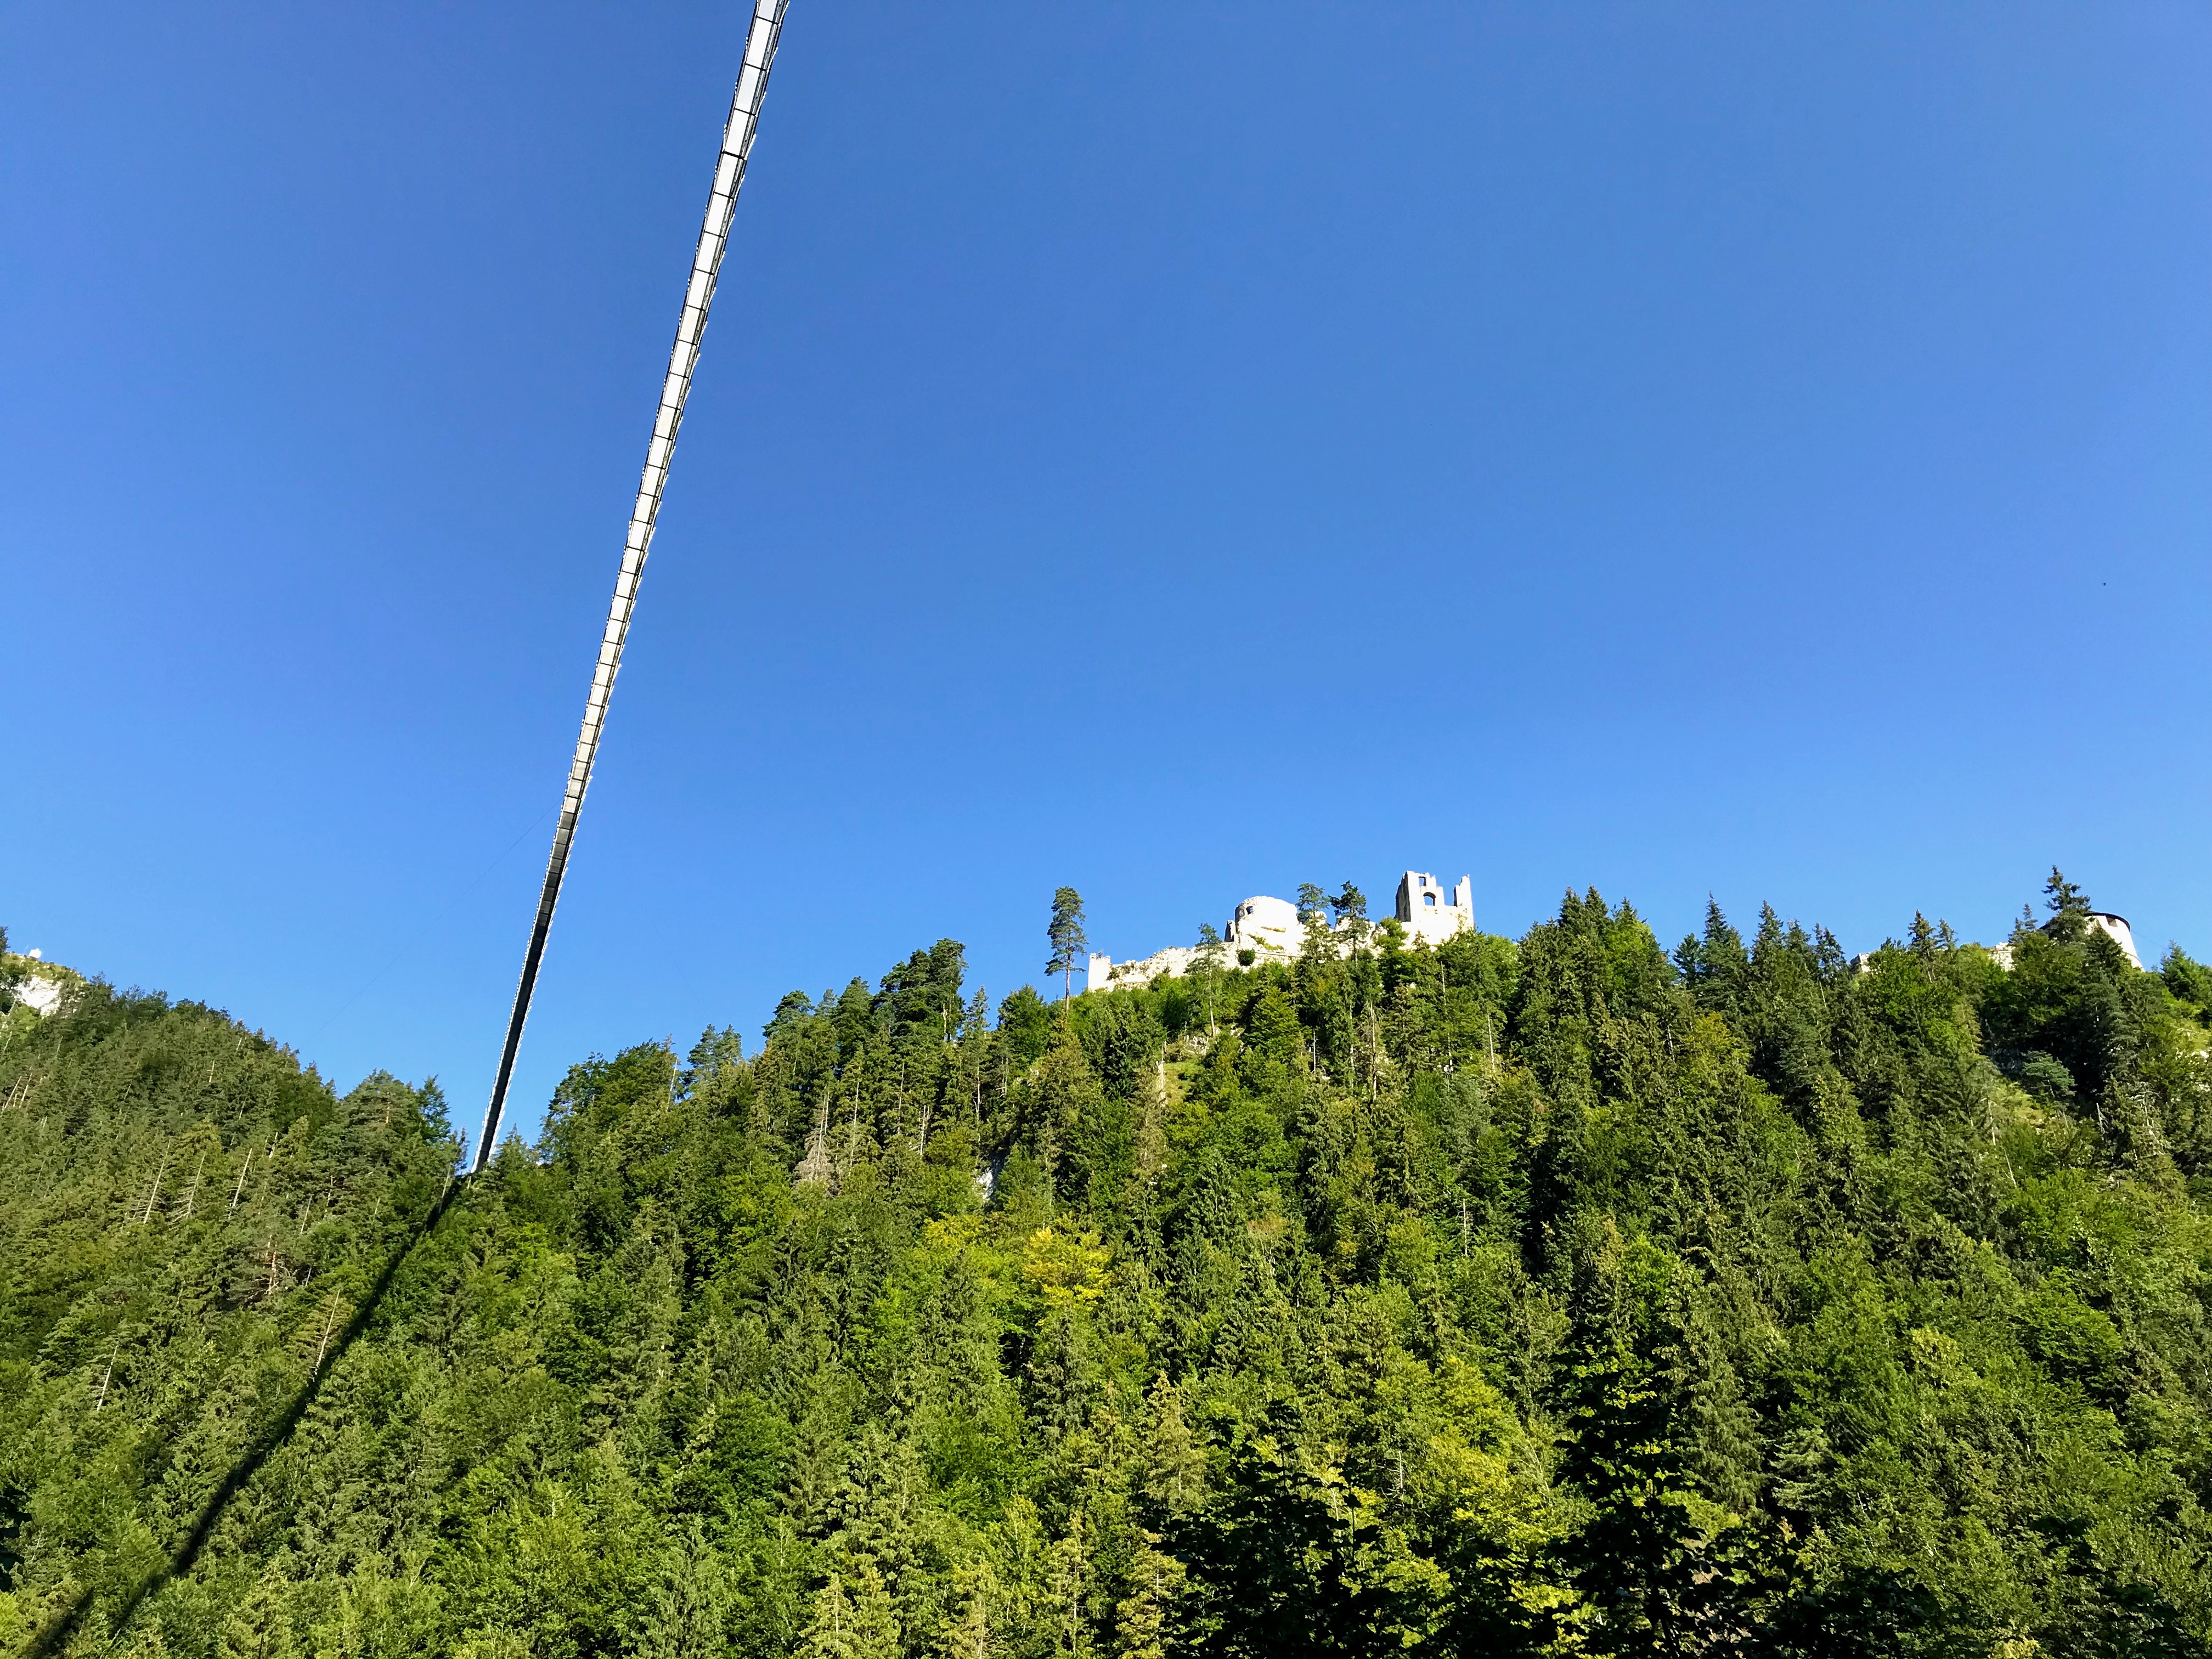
point(1564, 1295)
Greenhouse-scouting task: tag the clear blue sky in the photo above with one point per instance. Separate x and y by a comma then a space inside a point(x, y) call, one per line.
point(1180, 452)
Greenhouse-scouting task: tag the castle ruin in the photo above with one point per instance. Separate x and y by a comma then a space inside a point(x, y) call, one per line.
point(1264, 928)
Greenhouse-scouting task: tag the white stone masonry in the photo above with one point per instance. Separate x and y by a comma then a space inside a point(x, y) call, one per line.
point(1270, 929)
point(1428, 912)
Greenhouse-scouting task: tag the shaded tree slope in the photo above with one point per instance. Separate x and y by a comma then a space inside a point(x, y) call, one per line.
point(1563, 1295)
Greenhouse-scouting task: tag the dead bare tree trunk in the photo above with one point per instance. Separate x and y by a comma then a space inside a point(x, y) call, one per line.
point(330, 1315)
point(155, 1191)
point(105, 1375)
point(192, 1194)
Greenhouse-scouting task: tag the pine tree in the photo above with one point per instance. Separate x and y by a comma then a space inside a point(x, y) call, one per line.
point(2070, 908)
point(259, 1628)
point(691, 1602)
point(1070, 1579)
point(1173, 1475)
point(1350, 907)
point(1144, 1618)
point(972, 1633)
point(1208, 967)
point(1065, 933)
point(855, 1620)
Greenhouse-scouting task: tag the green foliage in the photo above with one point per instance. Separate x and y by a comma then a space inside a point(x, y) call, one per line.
point(1553, 1295)
point(1066, 934)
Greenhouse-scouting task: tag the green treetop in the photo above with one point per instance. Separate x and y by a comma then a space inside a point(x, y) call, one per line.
point(1065, 931)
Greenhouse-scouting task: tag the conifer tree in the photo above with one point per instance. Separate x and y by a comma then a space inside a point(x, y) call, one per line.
point(1143, 1618)
point(853, 1617)
point(1065, 931)
point(1207, 966)
point(2070, 907)
point(1751, 1301)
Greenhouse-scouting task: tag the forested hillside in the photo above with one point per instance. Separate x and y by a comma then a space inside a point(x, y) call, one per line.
point(1558, 1296)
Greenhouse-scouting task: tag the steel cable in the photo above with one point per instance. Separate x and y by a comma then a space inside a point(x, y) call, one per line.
point(682, 358)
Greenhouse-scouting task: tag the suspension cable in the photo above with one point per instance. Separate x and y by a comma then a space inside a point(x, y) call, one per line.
point(682, 358)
